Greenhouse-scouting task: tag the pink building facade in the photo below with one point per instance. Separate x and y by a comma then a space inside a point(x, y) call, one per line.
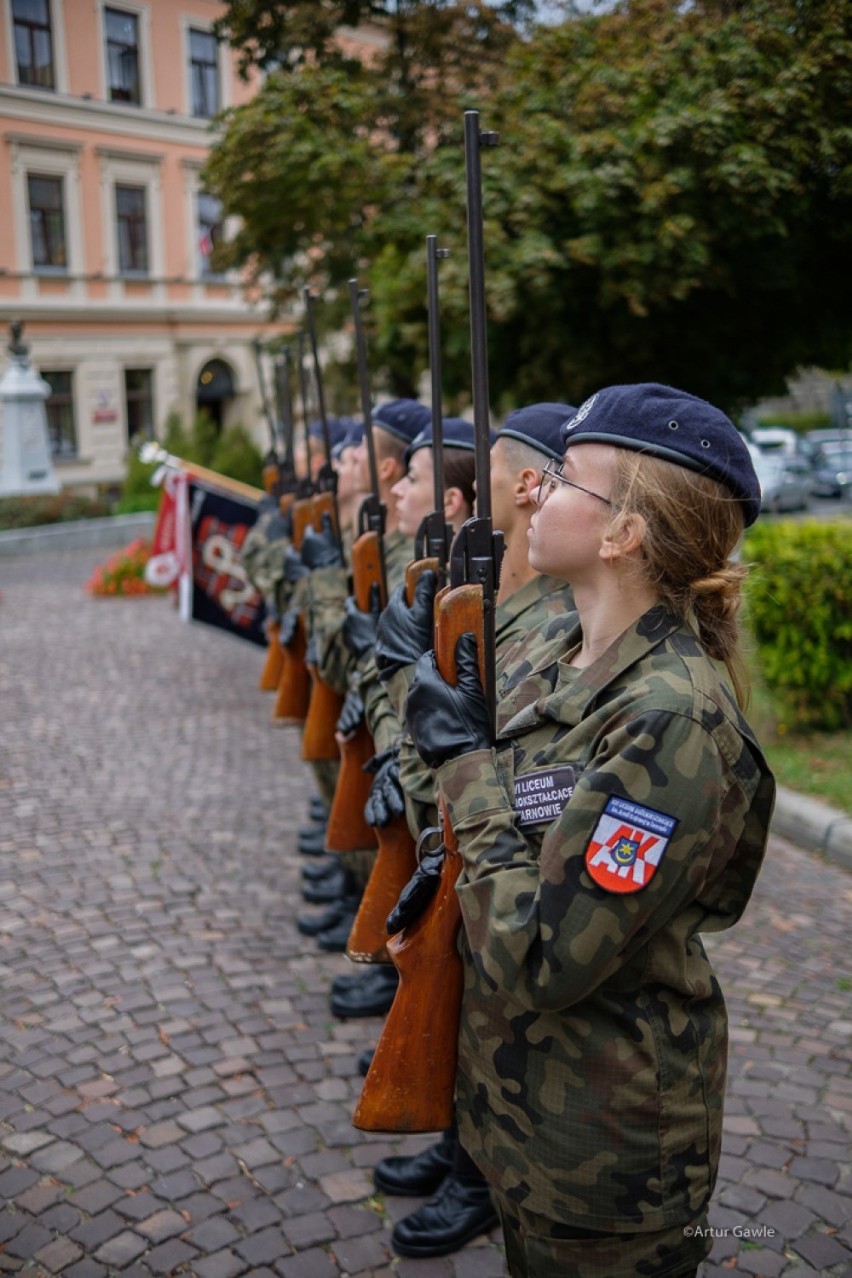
point(106, 230)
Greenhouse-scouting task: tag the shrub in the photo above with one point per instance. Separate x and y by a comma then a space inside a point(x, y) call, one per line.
point(137, 493)
point(50, 508)
point(799, 610)
point(237, 455)
point(798, 421)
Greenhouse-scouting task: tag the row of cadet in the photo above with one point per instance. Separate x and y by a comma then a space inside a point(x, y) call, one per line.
point(622, 808)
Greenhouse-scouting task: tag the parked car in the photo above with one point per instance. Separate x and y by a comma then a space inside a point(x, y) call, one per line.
point(814, 441)
point(785, 482)
point(770, 439)
point(832, 472)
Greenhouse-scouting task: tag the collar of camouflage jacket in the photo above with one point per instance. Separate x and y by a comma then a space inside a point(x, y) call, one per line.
point(544, 688)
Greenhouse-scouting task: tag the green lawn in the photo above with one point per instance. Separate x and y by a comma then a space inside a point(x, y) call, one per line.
point(814, 763)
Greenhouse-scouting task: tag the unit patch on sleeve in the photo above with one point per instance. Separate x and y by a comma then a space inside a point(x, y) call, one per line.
point(627, 845)
point(541, 796)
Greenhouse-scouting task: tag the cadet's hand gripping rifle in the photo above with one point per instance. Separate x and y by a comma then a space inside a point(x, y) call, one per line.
point(411, 1082)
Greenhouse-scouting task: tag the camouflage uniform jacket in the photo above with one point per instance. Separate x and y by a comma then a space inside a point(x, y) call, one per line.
point(539, 603)
point(262, 557)
point(381, 717)
point(593, 1035)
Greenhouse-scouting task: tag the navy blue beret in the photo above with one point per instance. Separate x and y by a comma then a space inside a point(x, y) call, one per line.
point(539, 426)
point(674, 425)
point(457, 433)
point(337, 428)
point(402, 418)
point(353, 436)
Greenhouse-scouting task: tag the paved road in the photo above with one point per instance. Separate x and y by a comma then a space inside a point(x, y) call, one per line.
point(175, 1095)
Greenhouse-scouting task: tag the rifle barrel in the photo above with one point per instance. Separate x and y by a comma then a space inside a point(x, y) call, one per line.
point(473, 140)
point(433, 253)
point(356, 295)
point(312, 334)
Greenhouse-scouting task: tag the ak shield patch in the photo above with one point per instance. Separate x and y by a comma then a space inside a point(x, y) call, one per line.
point(627, 845)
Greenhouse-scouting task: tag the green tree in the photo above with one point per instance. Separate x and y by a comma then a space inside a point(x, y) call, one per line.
point(670, 200)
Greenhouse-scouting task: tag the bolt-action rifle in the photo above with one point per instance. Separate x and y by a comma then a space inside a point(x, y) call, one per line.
point(286, 430)
point(411, 1082)
point(273, 486)
point(271, 473)
point(395, 861)
point(347, 829)
point(432, 543)
point(319, 741)
point(397, 856)
point(294, 683)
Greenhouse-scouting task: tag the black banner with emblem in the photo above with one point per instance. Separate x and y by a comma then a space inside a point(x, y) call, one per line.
point(222, 595)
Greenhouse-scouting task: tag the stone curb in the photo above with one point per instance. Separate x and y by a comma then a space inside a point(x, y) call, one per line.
point(113, 530)
point(813, 825)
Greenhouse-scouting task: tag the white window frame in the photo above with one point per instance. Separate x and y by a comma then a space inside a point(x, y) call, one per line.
point(53, 159)
point(60, 62)
point(128, 169)
point(146, 73)
point(191, 23)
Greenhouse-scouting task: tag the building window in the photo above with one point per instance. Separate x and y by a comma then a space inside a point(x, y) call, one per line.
point(139, 398)
point(204, 72)
point(122, 42)
point(60, 414)
point(33, 43)
point(47, 223)
point(209, 232)
point(132, 226)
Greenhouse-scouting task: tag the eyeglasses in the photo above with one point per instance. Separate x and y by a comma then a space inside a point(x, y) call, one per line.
point(551, 474)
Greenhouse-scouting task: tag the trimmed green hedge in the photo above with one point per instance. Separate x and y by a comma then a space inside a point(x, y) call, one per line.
point(49, 508)
point(799, 610)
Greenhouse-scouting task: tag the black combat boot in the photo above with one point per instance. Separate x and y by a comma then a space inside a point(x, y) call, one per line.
point(335, 938)
point(325, 890)
point(417, 1175)
point(317, 809)
point(371, 995)
point(312, 842)
point(316, 870)
point(459, 1211)
point(345, 905)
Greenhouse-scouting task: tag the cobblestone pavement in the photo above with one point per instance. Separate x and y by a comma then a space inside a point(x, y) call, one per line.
point(175, 1095)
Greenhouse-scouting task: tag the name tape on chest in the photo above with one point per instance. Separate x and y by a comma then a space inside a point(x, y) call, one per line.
point(541, 796)
point(627, 845)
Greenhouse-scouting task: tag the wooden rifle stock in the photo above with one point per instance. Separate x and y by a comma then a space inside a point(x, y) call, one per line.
point(410, 1086)
point(270, 675)
point(414, 571)
point(319, 737)
point(294, 685)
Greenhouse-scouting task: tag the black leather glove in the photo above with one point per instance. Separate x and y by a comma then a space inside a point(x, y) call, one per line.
point(418, 891)
point(294, 569)
point(321, 549)
point(404, 633)
point(359, 628)
point(351, 713)
point(280, 526)
point(445, 721)
point(386, 800)
point(287, 631)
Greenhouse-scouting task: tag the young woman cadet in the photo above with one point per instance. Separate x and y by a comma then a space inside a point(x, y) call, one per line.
point(622, 811)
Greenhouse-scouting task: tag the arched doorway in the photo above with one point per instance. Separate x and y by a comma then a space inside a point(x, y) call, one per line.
point(214, 390)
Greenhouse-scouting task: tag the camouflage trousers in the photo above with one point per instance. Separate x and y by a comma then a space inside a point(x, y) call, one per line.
point(540, 1248)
